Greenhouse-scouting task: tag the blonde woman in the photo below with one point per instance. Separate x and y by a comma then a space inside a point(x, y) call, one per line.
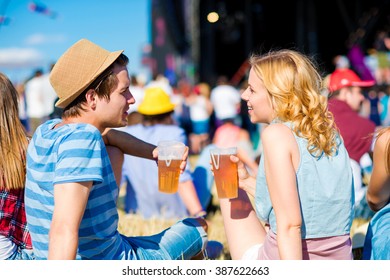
point(377, 245)
point(15, 240)
point(303, 193)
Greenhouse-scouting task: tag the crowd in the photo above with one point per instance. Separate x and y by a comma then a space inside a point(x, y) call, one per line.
point(312, 153)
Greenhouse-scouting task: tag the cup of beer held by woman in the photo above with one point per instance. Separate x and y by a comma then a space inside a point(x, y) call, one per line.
point(225, 172)
point(170, 156)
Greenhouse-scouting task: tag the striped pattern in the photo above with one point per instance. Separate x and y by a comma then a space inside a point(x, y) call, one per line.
point(73, 153)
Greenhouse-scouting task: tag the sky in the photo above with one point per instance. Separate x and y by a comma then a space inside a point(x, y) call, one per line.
point(31, 40)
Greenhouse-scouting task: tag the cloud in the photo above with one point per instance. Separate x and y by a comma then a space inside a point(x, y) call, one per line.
point(39, 39)
point(20, 57)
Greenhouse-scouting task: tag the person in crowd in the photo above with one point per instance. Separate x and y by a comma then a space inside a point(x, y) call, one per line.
point(225, 100)
point(303, 192)
point(74, 168)
point(15, 239)
point(22, 106)
point(140, 175)
point(137, 90)
point(377, 244)
point(48, 94)
point(382, 47)
point(35, 100)
point(345, 101)
point(201, 110)
point(183, 107)
point(193, 114)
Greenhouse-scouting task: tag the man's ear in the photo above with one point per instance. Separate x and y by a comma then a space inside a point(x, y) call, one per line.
point(91, 98)
point(343, 94)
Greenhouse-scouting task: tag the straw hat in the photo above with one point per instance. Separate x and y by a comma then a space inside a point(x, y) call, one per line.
point(77, 68)
point(155, 102)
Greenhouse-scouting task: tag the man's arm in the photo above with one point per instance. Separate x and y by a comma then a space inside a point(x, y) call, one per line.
point(134, 146)
point(70, 200)
point(189, 197)
point(129, 144)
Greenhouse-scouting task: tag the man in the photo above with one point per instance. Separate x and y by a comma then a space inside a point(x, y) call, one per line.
point(345, 101)
point(35, 100)
point(72, 187)
point(142, 195)
point(226, 101)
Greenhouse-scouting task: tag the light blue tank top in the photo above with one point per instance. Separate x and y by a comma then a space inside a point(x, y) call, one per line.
point(325, 188)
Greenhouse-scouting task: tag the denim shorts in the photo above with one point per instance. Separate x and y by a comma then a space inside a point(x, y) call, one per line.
point(201, 127)
point(182, 241)
point(22, 254)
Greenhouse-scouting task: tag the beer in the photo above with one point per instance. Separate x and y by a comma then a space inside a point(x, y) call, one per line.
point(225, 175)
point(168, 175)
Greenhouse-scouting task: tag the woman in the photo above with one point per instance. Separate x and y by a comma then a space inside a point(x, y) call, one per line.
point(377, 245)
point(303, 193)
point(15, 240)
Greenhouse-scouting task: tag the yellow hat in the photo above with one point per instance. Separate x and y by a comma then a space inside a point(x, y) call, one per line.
point(155, 102)
point(77, 68)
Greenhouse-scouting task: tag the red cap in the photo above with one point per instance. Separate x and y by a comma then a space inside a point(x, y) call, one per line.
point(341, 78)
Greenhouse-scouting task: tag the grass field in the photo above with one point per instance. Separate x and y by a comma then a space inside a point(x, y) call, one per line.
point(135, 225)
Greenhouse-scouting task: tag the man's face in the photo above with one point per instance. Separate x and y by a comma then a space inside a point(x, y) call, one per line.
point(354, 97)
point(113, 112)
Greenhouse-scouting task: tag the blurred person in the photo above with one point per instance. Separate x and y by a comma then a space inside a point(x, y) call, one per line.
point(35, 100)
point(382, 47)
point(303, 192)
point(252, 128)
point(74, 168)
point(141, 175)
point(22, 106)
point(201, 109)
point(193, 114)
point(345, 101)
point(341, 62)
point(384, 106)
point(225, 100)
point(15, 239)
point(182, 110)
point(377, 243)
point(159, 80)
point(371, 61)
point(49, 95)
point(137, 91)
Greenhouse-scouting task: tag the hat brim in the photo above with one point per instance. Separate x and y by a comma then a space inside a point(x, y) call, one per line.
point(363, 84)
point(156, 111)
point(64, 102)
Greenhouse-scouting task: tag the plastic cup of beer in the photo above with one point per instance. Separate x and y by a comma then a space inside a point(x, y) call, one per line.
point(225, 172)
point(170, 155)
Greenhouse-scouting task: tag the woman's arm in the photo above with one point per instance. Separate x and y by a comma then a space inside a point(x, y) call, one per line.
point(279, 147)
point(378, 191)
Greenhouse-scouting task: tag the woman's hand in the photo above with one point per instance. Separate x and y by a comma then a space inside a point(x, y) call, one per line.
point(245, 180)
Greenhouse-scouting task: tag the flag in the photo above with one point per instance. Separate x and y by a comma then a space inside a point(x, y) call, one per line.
point(42, 9)
point(4, 20)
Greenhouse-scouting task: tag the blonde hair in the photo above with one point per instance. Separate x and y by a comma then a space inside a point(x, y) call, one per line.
point(294, 86)
point(13, 138)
